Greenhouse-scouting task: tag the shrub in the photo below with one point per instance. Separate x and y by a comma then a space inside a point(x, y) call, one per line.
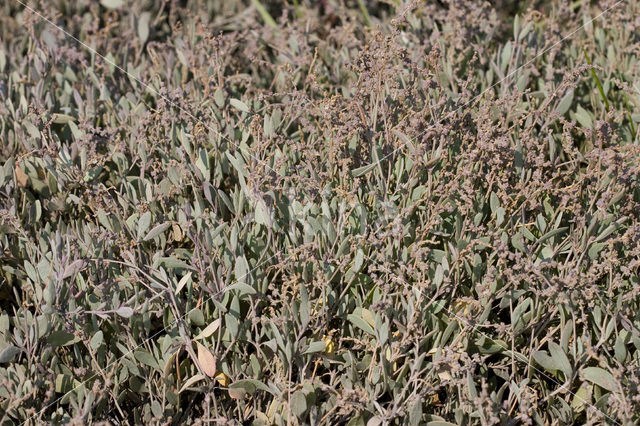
point(319, 212)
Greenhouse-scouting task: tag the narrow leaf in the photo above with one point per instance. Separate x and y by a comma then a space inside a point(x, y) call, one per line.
point(191, 382)
point(209, 330)
point(157, 230)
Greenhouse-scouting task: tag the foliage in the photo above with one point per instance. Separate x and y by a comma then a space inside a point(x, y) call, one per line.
point(319, 212)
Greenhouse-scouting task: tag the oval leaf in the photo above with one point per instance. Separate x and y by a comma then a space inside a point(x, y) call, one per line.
point(112, 4)
point(125, 311)
point(62, 338)
point(143, 26)
point(239, 105)
point(206, 360)
point(600, 377)
point(9, 353)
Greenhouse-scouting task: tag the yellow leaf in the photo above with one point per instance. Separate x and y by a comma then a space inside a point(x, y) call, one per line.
point(206, 360)
point(177, 232)
point(330, 346)
point(222, 379)
point(316, 309)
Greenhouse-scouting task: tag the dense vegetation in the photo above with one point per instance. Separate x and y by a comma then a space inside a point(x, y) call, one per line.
point(319, 212)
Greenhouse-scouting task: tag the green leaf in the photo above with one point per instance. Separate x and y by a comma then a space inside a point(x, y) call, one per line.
point(365, 13)
point(96, 340)
point(202, 163)
point(266, 17)
point(191, 381)
point(545, 361)
point(146, 358)
point(560, 359)
point(124, 312)
point(218, 97)
point(239, 105)
point(360, 323)
point(143, 223)
point(183, 281)
point(505, 57)
point(62, 118)
point(415, 412)
point(157, 230)
point(582, 397)
point(565, 103)
point(494, 202)
point(551, 234)
point(242, 288)
point(500, 212)
point(405, 140)
point(597, 80)
point(583, 117)
point(595, 250)
point(358, 261)
point(8, 353)
point(196, 317)
point(315, 347)
point(104, 220)
point(143, 26)
point(64, 383)
point(610, 229)
point(173, 263)
point(262, 214)
point(298, 403)
point(600, 377)
point(251, 385)
point(62, 338)
point(517, 241)
point(241, 268)
point(360, 171)
point(209, 330)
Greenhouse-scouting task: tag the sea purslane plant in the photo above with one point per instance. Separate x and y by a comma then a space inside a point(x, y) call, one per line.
point(334, 212)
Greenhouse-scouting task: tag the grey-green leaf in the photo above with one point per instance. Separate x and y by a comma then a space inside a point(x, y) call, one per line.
point(360, 323)
point(360, 171)
point(600, 377)
point(239, 105)
point(315, 347)
point(124, 312)
point(560, 359)
point(62, 338)
point(565, 103)
point(143, 26)
point(157, 230)
point(112, 4)
point(9, 353)
point(251, 385)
